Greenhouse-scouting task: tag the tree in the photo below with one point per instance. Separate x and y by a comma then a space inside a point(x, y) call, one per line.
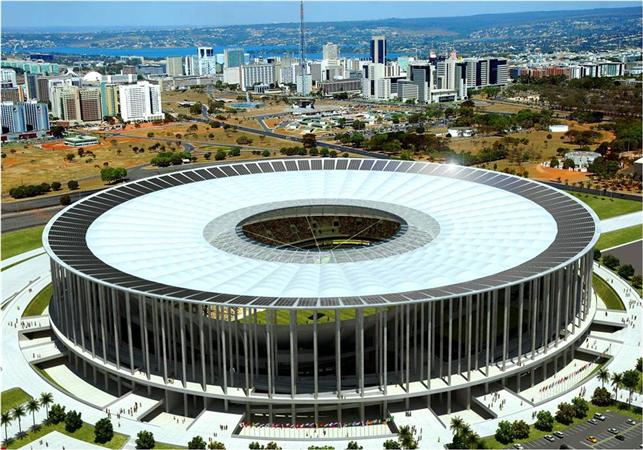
point(580, 406)
point(457, 424)
point(265, 153)
point(5, 420)
point(520, 429)
point(406, 437)
point(569, 163)
point(544, 421)
point(113, 174)
point(33, 406)
point(357, 139)
point(565, 413)
point(17, 413)
point(611, 261)
point(272, 445)
point(234, 151)
point(72, 185)
point(603, 376)
point(73, 421)
point(309, 140)
point(617, 382)
point(196, 108)
point(597, 254)
point(626, 271)
point(55, 185)
point(504, 432)
point(601, 397)
point(631, 379)
point(196, 442)
point(65, 200)
point(637, 281)
point(103, 430)
point(145, 440)
point(220, 155)
point(353, 445)
point(57, 131)
point(358, 125)
point(554, 163)
point(46, 399)
point(207, 155)
point(244, 140)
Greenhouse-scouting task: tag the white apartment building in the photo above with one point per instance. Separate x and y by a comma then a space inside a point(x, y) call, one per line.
point(375, 84)
point(140, 102)
point(330, 53)
point(8, 78)
point(174, 66)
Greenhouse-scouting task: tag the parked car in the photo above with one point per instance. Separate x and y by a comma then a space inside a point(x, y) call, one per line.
point(592, 439)
point(612, 430)
point(519, 446)
point(550, 438)
point(599, 416)
point(631, 421)
point(593, 421)
point(620, 437)
point(558, 434)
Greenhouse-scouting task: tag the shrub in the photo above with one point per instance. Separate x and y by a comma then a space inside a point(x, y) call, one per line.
point(255, 446)
point(637, 281)
point(207, 155)
point(265, 153)
point(520, 429)
point(565, 413)
point(73, 421)
point(220, 155)
point(626, 271)
point(103, 431)
point(601, 397)
point(611, 261)
point(235, 151)
point(196, 442)
point(504, 432)
point(112, 174)
point(56, 413)
point(216, 445)
point(65, 200)
point(545, 421)
point(55, 185)
point(597, 254)
point(580, 406)
point(73, 185)
point(145, 440)
point(391, 444)
point(244, 140)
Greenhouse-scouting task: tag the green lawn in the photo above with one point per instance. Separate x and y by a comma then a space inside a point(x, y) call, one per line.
point(13, 397)
point(607, 293)
point(166, 446)
point(39, 302)
point(15, 242)
point(606, 207)
point(85, 433)
point(534, 434)
point(305, 317)
point(619, 237)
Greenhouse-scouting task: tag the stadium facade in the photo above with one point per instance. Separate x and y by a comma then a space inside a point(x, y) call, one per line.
point(315, 289)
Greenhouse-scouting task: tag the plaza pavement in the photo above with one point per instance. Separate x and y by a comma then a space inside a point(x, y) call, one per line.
point(624, 221)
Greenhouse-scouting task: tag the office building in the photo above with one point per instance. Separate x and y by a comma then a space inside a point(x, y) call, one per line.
point(8, 78)
point(140, 102)
point(420, 73)
point(31, 83)
point(90, 104)
point(332, 87)
point(330, 52)
point(24, 117)
point(109, 99)
point(65, 103)
point(189, 66)
point(36, 116)
point(12, 94)
point(233, 57)
point(13, 118)
point(304, 83)
point(252, 74)
point(205, 52)
point(129, 70)
point(40, 68)
point(375, 84)
point(174, 66)
point(378, 49)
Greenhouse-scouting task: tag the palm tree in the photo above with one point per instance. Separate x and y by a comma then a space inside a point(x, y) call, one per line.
point(46, 399)
point(33, 406)
point(5, 419)
point(617, 380)
point(603, 376)
point(18, 412)
point(457, 424)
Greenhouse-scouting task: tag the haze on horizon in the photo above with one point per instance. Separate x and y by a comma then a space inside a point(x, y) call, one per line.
point(74, 15)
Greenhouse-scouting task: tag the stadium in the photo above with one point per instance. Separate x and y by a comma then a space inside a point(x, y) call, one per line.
point(321, 290)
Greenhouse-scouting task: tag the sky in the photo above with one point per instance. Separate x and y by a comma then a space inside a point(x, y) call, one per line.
point(77, 15)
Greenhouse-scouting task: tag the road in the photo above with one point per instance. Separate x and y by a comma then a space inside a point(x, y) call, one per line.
point(576, 437)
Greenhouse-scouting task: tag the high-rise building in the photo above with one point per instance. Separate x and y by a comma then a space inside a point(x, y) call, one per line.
point(12, 94)
point(140, 102)
point(174, 66)
point(189, 67)
point(8, 78)
point(129, 70)
point(378, 49)
point(233, 57)
point(90, 104)
point(375, 84)
point(252, 74)
point(109, 99)
point(205, 52)
point(330, 52)
point(42, 89)
point(421, 73)
point(304, 84)
point(36, 116)
point(31, 81)
point(13, 118)
point(65, 103)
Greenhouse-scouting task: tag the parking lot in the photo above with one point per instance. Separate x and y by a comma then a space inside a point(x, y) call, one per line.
point(576, 437)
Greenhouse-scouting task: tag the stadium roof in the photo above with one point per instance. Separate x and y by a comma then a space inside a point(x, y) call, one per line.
point(176, 235)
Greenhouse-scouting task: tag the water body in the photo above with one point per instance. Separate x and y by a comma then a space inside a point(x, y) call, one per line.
point(155, 53)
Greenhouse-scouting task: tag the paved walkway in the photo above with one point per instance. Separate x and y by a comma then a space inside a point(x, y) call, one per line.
point(21, 257)
point(624, 221)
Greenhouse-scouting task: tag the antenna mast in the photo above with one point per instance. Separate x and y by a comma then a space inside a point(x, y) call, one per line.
point(302, 61)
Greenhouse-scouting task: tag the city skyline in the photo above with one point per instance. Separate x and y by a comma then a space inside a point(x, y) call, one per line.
point(61, 16)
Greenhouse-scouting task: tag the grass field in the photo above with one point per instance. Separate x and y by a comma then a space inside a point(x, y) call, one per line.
point(534, 434)
point(607, 293)
point(305, 317)
point(39, 302)
point(606, 207)
point(15, 242)
point(619, 237)
point(13, 397)
point(84, 433)
point(166, 446)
